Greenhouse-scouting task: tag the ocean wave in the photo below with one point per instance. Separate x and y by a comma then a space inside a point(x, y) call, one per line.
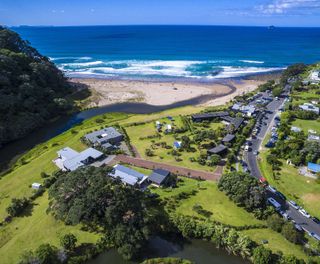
point(252, 61)
point(230, 72)
point(70, 58)
point(157, 68)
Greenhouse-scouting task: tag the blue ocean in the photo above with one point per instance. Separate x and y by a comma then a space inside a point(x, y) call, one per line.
point(192, 52)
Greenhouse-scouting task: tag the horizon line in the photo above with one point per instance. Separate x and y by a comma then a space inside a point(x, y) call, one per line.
point(153, 25)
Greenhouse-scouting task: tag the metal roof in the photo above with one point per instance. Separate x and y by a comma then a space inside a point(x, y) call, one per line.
point(218, 149)
point(103, 135)
point(209, 115)
point(67, 153)
point(228, 138)
point(78, 161)
point(158, 176)
point(127, 175)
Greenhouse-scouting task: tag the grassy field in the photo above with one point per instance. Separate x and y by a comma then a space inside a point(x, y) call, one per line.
point(276, 242)
point(138, 138)
point(305, 125)
point(225, 211)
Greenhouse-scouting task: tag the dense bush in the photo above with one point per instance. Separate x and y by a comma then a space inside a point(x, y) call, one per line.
point(17, 206)
point(244, 190)
point(124, 214)
point(31, 88)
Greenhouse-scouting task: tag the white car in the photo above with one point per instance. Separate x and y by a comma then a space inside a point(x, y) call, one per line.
point(304, 213)
point(271, 189)
point(294, 205)
point(298, 227)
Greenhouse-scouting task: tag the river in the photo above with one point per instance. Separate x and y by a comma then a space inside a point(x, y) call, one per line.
point(11, 151)
point(198, 251)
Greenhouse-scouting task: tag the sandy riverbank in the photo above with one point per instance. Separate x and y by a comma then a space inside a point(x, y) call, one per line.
point(105, 92)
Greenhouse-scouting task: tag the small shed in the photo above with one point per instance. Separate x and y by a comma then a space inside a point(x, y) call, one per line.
point(36, 186)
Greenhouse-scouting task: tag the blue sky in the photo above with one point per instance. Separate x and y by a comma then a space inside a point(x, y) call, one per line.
point(130, 12)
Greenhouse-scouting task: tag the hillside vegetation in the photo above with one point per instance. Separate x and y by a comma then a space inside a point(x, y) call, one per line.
point(32, 89)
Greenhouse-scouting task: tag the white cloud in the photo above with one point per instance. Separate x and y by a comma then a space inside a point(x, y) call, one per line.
point(279, 7)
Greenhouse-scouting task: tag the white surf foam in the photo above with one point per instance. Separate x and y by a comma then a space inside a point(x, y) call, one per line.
point(252, 61)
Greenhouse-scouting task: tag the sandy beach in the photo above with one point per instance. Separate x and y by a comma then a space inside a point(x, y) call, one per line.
point(105, 92)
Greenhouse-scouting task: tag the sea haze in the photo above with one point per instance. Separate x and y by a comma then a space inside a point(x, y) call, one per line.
point(169, 52)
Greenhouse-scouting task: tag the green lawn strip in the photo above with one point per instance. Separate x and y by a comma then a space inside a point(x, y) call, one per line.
point(211, 199)
point(27, 233)
point(276, 242)
point(303, 190)
point(305, 125)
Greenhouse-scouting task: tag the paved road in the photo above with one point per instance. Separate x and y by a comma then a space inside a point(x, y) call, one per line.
point(173, 169)
point(251, 159)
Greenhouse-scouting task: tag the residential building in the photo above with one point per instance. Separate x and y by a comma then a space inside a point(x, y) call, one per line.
point(127, 175)
point(159, 177)
point(105, 137)
point(220, 149)
point(70, 160)
point(228, 138)
point(208, 116)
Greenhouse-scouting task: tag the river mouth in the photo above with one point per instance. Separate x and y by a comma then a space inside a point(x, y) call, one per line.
point(198, 251)
point(11, 151)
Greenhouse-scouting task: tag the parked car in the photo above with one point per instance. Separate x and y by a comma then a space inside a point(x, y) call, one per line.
point(298, 227)
point(294, 205)
point(304, 213)
point(316, 220)
point(271, 189)
point(281, 195)
point(255, 152)
point(316, 236)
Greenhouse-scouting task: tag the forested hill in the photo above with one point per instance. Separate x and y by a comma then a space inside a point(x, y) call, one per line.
point(32, 89)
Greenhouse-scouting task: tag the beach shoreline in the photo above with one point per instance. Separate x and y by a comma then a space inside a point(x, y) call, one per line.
point(158, 93)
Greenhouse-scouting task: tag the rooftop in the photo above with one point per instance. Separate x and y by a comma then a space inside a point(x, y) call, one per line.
point(103, 135)
point(228, 138)
point(72, 159)
point(218, 149)
point(158, 176)
point(209, 115)
point(127, 175)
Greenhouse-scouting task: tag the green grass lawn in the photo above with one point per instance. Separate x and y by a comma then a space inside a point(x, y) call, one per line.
point(276, 242)
point(161, 154)
point(211, 199)
point(225, 211)
point(305, 125)
point(27, 233)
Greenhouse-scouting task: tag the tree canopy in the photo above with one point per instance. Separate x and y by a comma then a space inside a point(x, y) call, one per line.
point(244, 190)
point(32, 89)
point(126, 215)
